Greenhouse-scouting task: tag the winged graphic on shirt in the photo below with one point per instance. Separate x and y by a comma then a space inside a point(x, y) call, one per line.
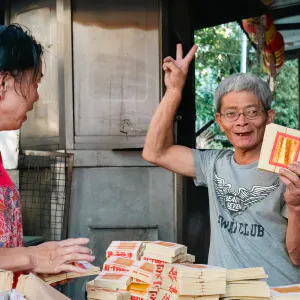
point(237, 203)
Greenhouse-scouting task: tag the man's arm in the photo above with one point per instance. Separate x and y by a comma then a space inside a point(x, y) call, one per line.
point(293, 235)
point(159, 147)
point(292, 197)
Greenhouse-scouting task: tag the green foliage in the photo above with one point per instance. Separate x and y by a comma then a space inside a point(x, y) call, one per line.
point(213, 63)
point(217, 58)
point(286, 98)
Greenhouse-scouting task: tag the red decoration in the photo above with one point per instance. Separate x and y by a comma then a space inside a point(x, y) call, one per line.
point(273, 46)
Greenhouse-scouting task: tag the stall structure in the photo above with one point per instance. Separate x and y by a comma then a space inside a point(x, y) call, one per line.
point(103, 81)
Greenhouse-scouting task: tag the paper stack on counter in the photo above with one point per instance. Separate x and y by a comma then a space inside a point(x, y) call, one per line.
point(281, 146)
point(89, 270)
point(165, 277)
point(164, 251)
point(147, 279)
point(288, 292)
point(143, 271)
point(95, 292)
point(141, 268)
point(118, 264)
point(141, 292)
point(33, 288)
point(200, 280)
point(246, 274)
point(189, 281)
point(131, 250)
point(113, 280)
point(247, 283)
point(6, 281)
point(140, 287)
point(187, 258)
point(164, 295)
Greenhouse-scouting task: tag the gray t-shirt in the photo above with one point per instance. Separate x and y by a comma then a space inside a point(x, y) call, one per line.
point(247, 216)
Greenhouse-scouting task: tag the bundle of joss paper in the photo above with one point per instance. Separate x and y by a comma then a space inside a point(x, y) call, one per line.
point(248, 283)
point(155, 270)
point(165, 271)
point(86, 266)
point(29, 287)
point(288, 292)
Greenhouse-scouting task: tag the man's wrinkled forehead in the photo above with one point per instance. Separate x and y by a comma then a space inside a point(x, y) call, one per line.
point(240, 100)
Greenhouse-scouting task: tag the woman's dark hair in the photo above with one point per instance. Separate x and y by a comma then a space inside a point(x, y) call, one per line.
point(19, 51)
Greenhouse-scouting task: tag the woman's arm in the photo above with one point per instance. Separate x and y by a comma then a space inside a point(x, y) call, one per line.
point(50, 257)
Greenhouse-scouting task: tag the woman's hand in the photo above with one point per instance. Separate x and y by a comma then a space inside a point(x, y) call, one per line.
point(56, 257)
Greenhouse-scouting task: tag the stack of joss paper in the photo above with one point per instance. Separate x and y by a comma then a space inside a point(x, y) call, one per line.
point(184, 281)
point(113, 280)
point(140, 275)
point(194, 280)
point(165, 271)
point(34, 288)
point(109, 286)
point(164, 251)
point(86, 266)
point(97, 293)
point(131, 250)
point(6, 281)
point(247, 284)
point(288, 292)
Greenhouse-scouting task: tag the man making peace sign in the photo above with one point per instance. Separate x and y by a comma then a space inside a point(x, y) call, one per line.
point(254, 215)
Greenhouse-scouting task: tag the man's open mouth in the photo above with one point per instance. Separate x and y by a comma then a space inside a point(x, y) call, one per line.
point(244, 133)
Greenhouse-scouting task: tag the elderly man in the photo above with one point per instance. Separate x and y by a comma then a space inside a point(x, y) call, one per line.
point(254, 215)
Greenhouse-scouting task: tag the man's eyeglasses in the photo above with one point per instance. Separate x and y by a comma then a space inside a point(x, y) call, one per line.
point(250, 114)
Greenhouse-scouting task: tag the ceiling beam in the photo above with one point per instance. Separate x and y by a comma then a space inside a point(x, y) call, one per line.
point(290, 26)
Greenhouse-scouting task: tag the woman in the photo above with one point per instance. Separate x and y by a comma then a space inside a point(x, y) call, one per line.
point(20, 74)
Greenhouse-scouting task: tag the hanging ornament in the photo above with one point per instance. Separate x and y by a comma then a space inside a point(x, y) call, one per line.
point(269, 41)
point(267, 2)
point(270, 29)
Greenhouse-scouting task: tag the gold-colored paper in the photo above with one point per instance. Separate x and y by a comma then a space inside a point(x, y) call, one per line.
point(281, 146)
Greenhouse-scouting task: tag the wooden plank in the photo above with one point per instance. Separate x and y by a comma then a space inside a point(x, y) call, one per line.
point(108, 142)
point(103, 158)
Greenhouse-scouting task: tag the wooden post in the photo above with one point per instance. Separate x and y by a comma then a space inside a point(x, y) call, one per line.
point(298, 88)
point(177, 27)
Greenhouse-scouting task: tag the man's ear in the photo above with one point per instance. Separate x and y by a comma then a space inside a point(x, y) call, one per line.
point(218, 120)
point(271, 116)
point(3, 86)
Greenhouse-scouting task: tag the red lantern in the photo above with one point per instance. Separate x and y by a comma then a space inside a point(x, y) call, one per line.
point(248, 25)
point(270, 29)
point(273, 45)
point(276, 44)
point(278, 62)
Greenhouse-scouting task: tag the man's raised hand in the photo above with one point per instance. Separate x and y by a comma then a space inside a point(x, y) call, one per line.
point(176, 70)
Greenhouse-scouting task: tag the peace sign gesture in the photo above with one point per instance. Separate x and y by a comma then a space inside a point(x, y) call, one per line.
point(176, 70)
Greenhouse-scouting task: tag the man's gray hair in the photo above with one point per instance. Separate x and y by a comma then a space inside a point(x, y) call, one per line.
point(244, 82)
